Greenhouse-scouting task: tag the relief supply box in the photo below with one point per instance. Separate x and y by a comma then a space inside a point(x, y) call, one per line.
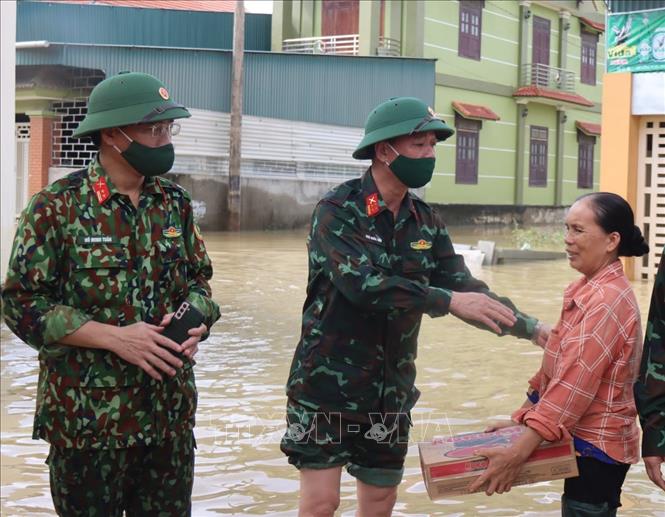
point(449, 465)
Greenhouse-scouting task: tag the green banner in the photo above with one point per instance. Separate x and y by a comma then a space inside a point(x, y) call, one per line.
point(636, 41)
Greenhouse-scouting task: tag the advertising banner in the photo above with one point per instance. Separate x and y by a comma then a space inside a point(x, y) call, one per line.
point(636, 41)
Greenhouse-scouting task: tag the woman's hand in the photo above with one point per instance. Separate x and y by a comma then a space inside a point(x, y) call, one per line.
point(495, 425)
point(505, 463)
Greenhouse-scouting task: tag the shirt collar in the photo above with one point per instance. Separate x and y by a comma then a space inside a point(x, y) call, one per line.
point(579, 292)
point(104, 189)
point(371, 194)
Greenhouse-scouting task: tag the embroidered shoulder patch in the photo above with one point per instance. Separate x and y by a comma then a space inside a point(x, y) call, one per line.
point(422, 244)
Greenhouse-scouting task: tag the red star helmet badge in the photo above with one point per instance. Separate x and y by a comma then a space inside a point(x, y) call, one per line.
point(101, 189)
point(372, 204)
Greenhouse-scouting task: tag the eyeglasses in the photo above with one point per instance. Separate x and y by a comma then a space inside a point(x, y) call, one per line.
point(159, 129)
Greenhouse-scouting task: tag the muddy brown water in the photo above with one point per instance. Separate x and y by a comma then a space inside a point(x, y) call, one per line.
point(466, 376)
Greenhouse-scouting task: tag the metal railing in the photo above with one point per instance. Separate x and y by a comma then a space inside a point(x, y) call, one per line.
point(342, 44)
point(537, 74)
point(390, 47)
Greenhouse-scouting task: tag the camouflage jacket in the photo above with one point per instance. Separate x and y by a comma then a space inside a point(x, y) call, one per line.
point(371, 278)
point(83, 252)
point(650, 387)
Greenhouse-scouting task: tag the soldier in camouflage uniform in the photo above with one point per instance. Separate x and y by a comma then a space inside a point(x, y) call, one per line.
point(650, 387)
point(379, 258)
point(101, 260)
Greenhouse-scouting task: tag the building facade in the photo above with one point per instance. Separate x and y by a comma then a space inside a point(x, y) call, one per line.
point(520, 81)
point(633, 157)
point(302, 114)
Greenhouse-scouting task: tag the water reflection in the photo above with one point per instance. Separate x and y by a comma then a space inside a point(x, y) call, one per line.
point(466, 377)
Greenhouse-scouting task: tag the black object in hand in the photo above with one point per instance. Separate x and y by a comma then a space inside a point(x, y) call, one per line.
point(185, 318)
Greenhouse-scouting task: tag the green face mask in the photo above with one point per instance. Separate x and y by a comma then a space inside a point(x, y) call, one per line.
point(149, 161)
point(413, 172)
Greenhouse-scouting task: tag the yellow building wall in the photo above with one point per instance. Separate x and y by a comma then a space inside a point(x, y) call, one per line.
point(619, 139)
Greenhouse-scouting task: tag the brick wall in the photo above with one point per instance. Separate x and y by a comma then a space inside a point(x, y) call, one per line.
point(68, 151)
point(39, 157)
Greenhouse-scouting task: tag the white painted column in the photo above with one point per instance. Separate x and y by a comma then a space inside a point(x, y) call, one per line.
point(7, 130)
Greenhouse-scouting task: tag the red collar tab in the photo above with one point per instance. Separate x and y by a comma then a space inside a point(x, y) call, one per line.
point(102, 190)
point(372, 204)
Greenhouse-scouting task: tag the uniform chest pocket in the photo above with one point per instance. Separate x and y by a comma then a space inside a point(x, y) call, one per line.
point(170, 267)
point(98, 277)
point(377, 253)
point(418, 265)
point(168, 251)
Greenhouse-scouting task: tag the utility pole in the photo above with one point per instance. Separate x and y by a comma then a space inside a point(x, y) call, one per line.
point(234, 197)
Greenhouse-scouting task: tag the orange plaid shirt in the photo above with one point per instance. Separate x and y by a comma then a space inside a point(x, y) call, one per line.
point(590, 364)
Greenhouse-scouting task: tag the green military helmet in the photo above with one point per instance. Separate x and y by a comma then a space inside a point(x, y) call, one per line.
point(399, 116)
point(128, 98)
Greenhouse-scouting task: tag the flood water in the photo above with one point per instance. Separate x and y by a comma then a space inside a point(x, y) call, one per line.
point(466, 377)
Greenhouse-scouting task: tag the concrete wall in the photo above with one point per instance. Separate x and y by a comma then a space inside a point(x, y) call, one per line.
point(267, 204)
point(500, 215)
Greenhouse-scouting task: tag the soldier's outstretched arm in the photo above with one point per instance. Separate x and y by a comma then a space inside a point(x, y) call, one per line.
point(472, 299)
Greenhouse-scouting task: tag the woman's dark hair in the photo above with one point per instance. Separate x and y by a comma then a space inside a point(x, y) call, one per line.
point(613, 214)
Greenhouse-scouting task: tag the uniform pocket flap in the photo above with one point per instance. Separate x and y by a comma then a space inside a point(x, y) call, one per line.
point(103, 256)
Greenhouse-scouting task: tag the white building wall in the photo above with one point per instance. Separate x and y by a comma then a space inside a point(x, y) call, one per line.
point(7, 131)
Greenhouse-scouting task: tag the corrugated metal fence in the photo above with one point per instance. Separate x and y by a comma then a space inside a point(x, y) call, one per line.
point(337, 90)
point(271, 148)
point(82, 23)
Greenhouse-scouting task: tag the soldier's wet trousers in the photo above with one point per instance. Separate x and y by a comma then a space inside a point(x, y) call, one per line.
point(141, 481)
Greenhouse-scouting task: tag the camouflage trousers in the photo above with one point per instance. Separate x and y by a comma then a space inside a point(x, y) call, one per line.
point(145, 481)
point(372, 452)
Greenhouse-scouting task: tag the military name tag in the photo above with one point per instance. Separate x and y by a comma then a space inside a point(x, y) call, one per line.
point(96, 239)
point(373, 238)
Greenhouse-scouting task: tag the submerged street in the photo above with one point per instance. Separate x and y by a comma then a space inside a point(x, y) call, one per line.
point(466, 376)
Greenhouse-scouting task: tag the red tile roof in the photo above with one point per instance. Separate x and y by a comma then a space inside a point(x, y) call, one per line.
point(226, 6)
point(474, 111)
point(588, 128)
point(535, 91)
point(597, 26)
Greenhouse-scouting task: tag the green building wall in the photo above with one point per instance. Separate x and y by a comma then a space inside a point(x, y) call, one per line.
point(430, 29)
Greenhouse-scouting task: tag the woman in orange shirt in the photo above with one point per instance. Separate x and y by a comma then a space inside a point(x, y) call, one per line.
point(584, 386)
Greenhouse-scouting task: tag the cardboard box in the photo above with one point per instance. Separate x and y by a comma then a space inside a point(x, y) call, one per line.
point(449, 465)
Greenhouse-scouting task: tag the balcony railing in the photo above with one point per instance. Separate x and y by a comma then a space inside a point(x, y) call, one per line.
point(389, 47)
point(342, 44)
point(537, 74)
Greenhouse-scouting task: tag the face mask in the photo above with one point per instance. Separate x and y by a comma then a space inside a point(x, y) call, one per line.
point(413, 172)
point(149, 161)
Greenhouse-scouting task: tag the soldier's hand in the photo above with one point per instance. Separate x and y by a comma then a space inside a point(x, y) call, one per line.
point(541, 334)
point(483, 309)
point(143, 345)
point(653, 465)
point(191, 346)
